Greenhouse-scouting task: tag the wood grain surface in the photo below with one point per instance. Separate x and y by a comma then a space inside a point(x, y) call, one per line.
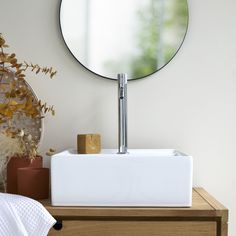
point(206, 217)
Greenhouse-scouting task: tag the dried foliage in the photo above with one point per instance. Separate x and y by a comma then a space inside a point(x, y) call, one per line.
point(19, 100)
point(50, 152)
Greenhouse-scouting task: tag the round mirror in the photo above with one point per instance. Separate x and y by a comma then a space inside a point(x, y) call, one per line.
point(137, 37)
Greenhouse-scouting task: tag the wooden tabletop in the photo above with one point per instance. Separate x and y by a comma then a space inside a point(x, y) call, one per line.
point(203, 205)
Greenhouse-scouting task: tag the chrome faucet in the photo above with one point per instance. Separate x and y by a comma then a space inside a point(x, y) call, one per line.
point(122, 100)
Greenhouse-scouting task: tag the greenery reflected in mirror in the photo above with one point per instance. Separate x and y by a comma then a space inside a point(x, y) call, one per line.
point(137, 37)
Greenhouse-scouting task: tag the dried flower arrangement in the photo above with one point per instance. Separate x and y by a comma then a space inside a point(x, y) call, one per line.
point(19, 101)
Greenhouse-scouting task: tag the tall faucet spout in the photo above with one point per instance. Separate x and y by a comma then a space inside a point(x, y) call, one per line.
point(122, 101)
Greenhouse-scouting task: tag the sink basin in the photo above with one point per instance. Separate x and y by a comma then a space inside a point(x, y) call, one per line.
point(143, 177)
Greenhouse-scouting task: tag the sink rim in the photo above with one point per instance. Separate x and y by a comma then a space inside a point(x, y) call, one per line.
point(131, 153)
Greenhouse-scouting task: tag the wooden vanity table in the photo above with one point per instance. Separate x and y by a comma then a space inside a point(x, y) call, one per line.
point(206, 217)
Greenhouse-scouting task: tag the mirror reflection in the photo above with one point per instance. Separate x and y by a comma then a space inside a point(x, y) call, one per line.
point(137, 37)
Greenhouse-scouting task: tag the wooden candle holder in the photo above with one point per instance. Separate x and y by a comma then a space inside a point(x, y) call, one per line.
point(88, 143)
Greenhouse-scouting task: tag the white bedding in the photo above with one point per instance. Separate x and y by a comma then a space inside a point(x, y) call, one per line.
point(22, 216)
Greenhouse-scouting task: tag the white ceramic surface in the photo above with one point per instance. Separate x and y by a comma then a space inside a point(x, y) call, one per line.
point(151, 177)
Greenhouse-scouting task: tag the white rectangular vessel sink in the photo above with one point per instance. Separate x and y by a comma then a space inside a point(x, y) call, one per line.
point(143, 177)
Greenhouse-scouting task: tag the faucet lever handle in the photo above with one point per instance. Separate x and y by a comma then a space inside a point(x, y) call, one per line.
point(122, 80)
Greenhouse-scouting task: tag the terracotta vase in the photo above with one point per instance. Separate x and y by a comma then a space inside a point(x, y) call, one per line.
point(13, 165)
point(33, 182)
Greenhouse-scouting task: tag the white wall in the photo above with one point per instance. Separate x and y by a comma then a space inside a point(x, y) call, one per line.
point(189, 105)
